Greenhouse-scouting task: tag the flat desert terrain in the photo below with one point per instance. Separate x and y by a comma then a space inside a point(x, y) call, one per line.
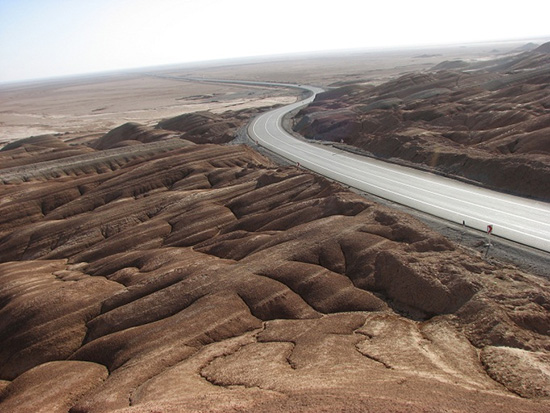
point(89, 107)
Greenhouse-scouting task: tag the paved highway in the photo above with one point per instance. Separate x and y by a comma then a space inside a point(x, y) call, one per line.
point(518, 219)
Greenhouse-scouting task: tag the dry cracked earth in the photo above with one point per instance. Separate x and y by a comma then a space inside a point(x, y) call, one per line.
point(157, 270)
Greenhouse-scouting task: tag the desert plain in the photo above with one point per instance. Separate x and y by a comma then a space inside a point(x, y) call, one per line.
point(153, 259)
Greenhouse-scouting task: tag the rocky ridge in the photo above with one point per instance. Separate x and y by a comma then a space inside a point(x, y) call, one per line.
point(486, 122)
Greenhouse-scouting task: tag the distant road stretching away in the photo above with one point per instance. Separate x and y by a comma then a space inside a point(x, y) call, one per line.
point(518, 219)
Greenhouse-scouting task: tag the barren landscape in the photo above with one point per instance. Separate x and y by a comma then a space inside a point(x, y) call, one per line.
point(150, 263)
point(85, 108)
point(487, 122)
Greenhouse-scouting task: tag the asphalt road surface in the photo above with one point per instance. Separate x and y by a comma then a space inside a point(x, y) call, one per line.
point(518, 219)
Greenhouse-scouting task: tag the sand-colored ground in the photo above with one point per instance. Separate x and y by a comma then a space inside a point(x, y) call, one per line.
point(96, 104)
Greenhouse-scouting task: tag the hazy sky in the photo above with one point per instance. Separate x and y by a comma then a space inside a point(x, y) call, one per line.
point(44, 38)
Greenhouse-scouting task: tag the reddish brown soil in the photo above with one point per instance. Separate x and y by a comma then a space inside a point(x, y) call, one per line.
point(185, 277)
point(489, 124)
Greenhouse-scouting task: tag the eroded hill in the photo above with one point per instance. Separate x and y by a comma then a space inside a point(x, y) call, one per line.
point(176, 277)
point(488, 122)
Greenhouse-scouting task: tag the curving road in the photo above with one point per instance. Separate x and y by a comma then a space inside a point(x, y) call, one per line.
point(518, 219)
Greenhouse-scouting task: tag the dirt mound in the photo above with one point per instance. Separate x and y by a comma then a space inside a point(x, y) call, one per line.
point(61, 384)
point(451, 65)
point(37, 149)
point(489, 126)
point(203, 127)
point(91, 161)
point(36, 142)
point(204, 277)
point(131, 133)
point(523, 372)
